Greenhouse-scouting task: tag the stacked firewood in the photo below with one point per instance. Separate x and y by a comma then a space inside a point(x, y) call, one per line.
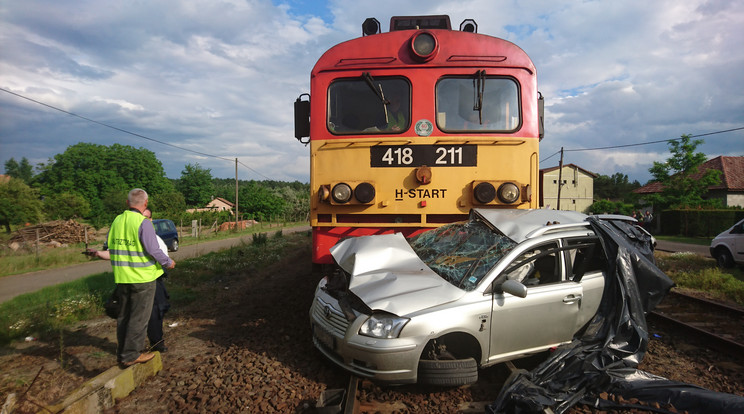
point(58, 231)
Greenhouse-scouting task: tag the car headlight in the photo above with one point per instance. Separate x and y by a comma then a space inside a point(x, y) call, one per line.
point(383, 326)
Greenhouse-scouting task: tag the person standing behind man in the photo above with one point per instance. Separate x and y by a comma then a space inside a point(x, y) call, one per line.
point(137, 262)
point(161, 305)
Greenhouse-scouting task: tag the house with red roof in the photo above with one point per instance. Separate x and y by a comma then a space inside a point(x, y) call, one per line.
point(731, 188)
point(217, 204)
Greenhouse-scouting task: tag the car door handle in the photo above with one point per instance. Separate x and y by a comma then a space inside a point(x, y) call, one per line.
point(571, 298)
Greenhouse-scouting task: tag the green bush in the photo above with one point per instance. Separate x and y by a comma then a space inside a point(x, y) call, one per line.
point(699, 223)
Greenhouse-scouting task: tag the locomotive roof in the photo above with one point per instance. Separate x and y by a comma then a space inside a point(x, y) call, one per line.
point(456, 48)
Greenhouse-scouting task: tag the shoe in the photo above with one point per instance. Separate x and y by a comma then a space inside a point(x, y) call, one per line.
point(162, 349)
point(140, 359)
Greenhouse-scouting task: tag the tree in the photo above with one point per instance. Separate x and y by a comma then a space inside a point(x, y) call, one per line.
point(259, 201)
point(196, 185)
point(92, 171)
point(683, 184)
point(615, 187)
point(65, 206)
point(19, 203)
point(168, 205)
point(22, 171)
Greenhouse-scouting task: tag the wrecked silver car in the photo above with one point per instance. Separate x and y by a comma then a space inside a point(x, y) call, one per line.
point(435, 308)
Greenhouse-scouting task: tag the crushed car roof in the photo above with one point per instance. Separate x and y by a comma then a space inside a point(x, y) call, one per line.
point(518, 224)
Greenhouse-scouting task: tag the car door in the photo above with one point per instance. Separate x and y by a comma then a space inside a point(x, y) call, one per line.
point(546, 316)
point(737, 245)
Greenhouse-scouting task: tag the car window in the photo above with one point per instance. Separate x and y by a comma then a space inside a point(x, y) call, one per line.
point(462, 253)
point(585, 256)
point(537, 266)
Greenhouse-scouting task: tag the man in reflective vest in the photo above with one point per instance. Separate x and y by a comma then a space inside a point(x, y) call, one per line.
point(137, 262)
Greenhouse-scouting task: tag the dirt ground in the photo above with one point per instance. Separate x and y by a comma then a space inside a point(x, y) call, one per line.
point(245, 346)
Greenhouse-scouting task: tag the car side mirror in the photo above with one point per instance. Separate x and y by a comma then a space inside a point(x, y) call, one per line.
point(514, 288)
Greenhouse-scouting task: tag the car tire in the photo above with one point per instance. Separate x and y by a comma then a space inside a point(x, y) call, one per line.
point(724, 259)
point(174, 245)
point(449, 373)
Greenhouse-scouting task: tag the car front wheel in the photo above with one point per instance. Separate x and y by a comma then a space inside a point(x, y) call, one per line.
point(449, 373)
point(174, 245)
point(724, 259)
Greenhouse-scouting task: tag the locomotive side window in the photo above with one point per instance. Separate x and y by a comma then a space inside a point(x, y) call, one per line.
point(478, 104)
point(367, 105)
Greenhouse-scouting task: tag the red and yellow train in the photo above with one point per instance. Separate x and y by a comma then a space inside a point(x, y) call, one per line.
point(410, 129)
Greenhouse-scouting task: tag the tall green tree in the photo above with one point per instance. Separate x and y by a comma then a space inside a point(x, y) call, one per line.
point(19, 203)
point(615, 187)
point(683, 183)
point(168, 205)
point(65, 206)
point(196, 185)
point(97, 171)
point(260, 202)
point(22, 171)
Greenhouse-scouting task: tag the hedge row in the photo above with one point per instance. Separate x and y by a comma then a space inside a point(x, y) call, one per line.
point(698, 223)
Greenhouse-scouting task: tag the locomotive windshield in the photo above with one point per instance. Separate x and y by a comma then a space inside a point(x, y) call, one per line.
point(367, 105)
point(479, 103)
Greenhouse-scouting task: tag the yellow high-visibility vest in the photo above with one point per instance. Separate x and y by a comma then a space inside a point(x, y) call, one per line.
point(130, 261)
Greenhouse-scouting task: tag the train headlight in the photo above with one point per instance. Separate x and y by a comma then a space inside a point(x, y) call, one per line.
point(484, 193)
point(324, 192)
point(364, 193)
point(508, 193)
point(341, 193)
point(424, 45)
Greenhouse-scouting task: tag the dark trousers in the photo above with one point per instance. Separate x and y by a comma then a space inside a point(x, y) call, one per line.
point(131, 325)
point(159, 307)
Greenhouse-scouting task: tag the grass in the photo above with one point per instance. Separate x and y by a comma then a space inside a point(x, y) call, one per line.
point(27, 260)
point(44, 314)
point(692, 271)
point(52, 308)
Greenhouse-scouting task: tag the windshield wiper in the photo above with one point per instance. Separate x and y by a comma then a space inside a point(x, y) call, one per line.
point(479, 89)
point(370, 82)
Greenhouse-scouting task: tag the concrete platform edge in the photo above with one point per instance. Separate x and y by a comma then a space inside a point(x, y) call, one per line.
point(102, 391)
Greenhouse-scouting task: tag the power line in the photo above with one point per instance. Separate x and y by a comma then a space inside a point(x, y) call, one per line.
point(652, 142)
point(641, 143)
point(129, 132)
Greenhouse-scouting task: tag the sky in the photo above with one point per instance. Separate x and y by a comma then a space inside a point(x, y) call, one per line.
point(208, 81)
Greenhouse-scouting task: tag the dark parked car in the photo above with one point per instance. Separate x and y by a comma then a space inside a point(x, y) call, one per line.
point(167, 231)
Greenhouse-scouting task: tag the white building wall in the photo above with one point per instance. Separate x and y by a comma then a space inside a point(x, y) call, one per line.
point(577, 193)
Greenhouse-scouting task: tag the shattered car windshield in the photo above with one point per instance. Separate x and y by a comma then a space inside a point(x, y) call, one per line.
point(462, 253)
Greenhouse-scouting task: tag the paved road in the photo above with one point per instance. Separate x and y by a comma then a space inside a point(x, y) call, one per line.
point(12, 286)
point(667, 246)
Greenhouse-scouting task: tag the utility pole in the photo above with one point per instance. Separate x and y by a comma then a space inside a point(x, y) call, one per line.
point(236, 194)
point(560, 180)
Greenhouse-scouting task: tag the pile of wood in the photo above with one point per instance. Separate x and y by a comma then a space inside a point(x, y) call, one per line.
point(242, 225)
point(58, 232)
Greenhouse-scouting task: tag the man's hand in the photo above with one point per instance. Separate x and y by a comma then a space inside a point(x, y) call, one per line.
point(172, 265)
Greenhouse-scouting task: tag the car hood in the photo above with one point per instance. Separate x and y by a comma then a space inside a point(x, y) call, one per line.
point(387, 275)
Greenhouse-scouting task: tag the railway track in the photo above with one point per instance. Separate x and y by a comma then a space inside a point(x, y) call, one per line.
point(716, 324)
point(363, 396)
